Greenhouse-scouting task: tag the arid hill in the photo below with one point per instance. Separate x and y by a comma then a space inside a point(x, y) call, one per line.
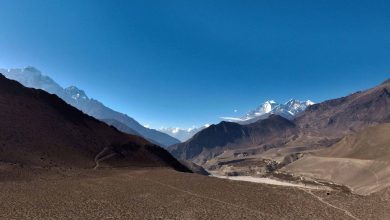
point(40, 129)
point(360, 161)
point(372, 143)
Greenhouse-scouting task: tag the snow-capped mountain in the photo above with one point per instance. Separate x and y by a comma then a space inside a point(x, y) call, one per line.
point(182, 134)
point(76, 93)
point(265, 108)
point(287, 110)
point(31, 77)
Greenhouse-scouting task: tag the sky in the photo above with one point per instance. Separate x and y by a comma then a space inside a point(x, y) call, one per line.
point(183, 63)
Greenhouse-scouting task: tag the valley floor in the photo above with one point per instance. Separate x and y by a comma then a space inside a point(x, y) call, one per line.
point(158, 193)
point(270, 181)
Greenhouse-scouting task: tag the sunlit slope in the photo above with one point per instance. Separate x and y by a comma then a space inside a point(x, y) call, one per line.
point(360, 161)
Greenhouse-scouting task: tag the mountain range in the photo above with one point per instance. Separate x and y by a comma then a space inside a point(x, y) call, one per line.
point(288, 110)
point(317, 124)
point(39, 129)
point(55, 156)
point(33, 78)
point(271, 143)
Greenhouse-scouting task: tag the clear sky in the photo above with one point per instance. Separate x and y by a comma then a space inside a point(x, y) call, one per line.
point(183, 63)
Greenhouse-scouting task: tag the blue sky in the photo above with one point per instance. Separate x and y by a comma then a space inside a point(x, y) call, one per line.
point(183, 63)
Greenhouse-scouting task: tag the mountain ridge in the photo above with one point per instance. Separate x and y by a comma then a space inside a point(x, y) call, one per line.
point(59, 135)
point(32, 77)
point(226, 135)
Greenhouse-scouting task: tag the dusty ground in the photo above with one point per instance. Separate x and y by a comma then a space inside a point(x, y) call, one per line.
point(166, 194)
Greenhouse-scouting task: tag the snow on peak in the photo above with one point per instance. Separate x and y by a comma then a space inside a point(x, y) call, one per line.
point(288, 110)
point(33, 78)
point(76, 93)
point(175, 130)
point(182, 134)
point(271, 102)
point(308, 103)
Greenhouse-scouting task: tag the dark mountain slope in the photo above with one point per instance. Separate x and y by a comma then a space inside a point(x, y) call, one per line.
point(33, 78)
point(40, 129)
point(120, 126)
point(227, 135)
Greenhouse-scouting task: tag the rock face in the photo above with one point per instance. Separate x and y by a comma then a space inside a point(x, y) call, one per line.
point(31, 77)
point(40, 129)
point(215, 139)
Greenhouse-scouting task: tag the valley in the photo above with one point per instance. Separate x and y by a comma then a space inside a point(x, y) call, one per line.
point(343, 141)
point(194, 110)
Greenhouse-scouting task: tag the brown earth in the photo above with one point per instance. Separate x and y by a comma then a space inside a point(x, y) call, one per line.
point(167, 194)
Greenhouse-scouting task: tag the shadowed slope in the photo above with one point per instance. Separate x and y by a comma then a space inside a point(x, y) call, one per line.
point(120, 126)
point(33, 78)
point(40, 129)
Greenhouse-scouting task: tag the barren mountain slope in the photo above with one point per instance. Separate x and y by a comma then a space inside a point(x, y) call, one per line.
point(40, 129)
point(372, 143)
point(337, 117)
point(33, 78)
point(360, 161)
